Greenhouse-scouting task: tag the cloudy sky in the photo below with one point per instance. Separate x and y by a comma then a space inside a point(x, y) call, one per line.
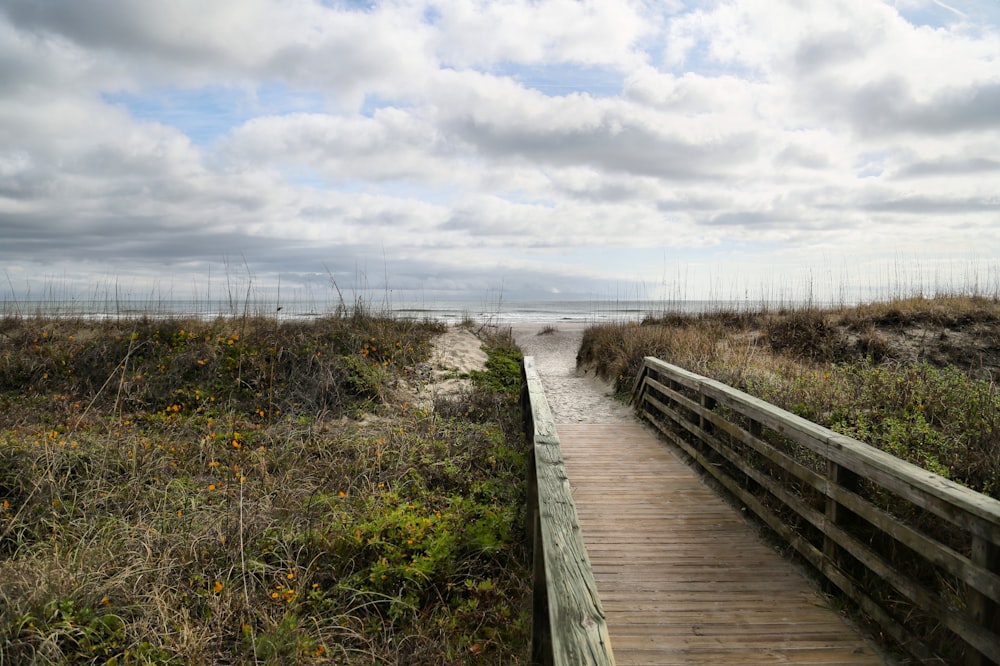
point(545, 148)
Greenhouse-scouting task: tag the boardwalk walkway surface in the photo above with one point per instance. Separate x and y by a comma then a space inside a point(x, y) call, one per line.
point(682, 577)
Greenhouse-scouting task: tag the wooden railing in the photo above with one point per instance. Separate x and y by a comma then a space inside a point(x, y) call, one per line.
point(568, 623)
point(917, 552)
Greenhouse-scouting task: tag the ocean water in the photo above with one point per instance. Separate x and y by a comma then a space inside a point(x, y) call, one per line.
point(555, 311)
point(447, 311)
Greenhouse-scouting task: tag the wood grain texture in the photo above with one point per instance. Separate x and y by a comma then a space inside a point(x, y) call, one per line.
point(949, 500)
point(680, 405)
point(682, 577)
point(575, 632)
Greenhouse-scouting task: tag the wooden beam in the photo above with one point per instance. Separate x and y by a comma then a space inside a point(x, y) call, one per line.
point(674, 398)
point(576, 631)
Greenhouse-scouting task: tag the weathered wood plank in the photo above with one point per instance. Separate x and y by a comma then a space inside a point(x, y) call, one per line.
point(954, 563)
point(681, 574)
point(845, 458)
point(945, 498)
point(576, 632)
point(973, 633)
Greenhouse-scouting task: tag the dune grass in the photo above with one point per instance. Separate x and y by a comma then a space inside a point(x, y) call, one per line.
point(251, 491)
point(916, 377)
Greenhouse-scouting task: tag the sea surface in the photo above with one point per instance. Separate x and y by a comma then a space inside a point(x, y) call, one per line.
point(447, 311)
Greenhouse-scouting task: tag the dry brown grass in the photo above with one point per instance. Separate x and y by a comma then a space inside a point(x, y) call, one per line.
point(945, 311)
point(916, 378)
point(927, 367)
point(208, 492)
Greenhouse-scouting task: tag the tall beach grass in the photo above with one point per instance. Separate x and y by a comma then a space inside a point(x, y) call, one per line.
point(254, 491)
point(915, 376)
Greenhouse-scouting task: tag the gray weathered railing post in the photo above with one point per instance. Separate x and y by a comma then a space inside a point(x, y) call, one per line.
point(984, 610)
point(836, 513)
point(528, 420)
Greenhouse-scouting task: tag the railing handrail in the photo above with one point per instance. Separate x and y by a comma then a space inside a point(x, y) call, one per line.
point(845, 450)
point(568, 623)
point(684, 407)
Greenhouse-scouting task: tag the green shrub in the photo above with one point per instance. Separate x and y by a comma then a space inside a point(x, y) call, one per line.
point(197, 492)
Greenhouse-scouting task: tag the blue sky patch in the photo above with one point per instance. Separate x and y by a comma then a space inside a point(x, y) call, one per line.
point(939, 13)
point(205, 114)
point(375, 102)
point(565, 79)
point(432, 15)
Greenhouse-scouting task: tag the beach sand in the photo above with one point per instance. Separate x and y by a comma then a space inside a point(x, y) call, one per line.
point(574, 396)
point(455, 353)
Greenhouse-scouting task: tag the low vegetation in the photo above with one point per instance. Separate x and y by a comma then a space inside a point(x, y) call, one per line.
point(251, 491)
point(915, 377)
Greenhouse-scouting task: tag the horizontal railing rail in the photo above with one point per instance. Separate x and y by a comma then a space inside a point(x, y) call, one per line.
point(918, 553)
point(568, 621)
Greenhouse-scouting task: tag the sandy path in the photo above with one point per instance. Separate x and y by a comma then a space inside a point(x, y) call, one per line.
point(573, 396)
point(455, 353)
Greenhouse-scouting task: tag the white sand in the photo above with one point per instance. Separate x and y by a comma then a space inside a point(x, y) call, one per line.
point(455, 354)
point(574, 396)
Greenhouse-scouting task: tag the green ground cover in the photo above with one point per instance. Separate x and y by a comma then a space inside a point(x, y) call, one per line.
point(248, 491)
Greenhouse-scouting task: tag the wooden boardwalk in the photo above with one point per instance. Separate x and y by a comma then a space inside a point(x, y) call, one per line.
point(682, 577)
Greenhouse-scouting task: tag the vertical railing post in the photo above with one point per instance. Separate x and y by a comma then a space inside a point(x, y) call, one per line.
point(708, 403)
point(528, 422)
point(527, 415)
point(635, 399)
point(983, 609)
point(541, 632)
point(836, 513)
